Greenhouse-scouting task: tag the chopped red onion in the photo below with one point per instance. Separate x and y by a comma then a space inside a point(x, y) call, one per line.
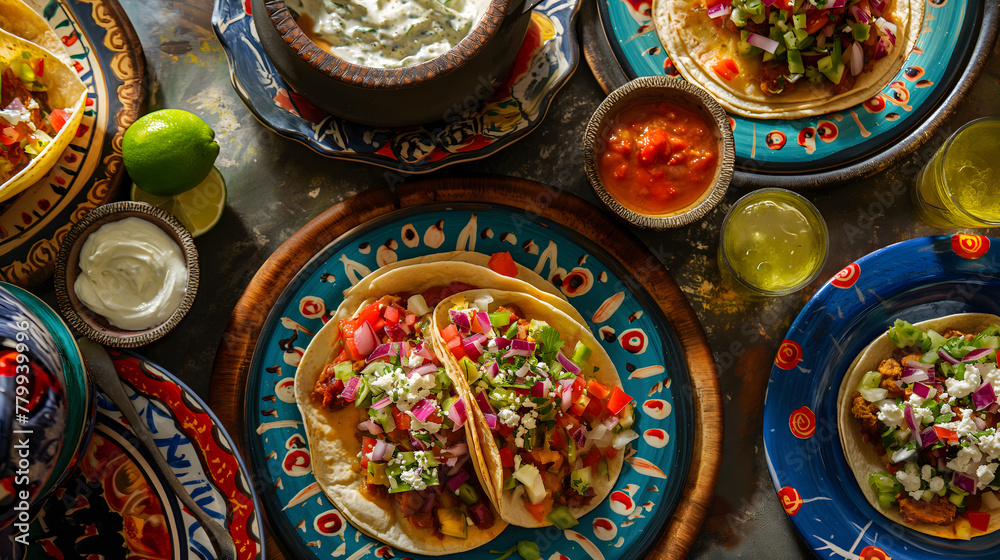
point(520, 347)
point(828, 29)
point(418, 444)
point(611, 421)
point(483, 318)
point(502, 342)
point(457, 450)
point(491, 421)
point(928, 437)
point(580, 436)
point(911, 374)
point(719, 10)
point(484, 403)
point(378, 451)
point(835, 4)
point(15, 105)
point(429, 499)
point(984, 397)
point(921, 390)
point(492, 369)
point(567, 394)
point(351, 389)
point(458, 465)
point(383, 351)
point(424, 351)
point(480, 514)
point(878, 6)
point(370, 426)
point(859, 15)
point(461, 320)
point(365, 338)
point(473, 345)
point(857, 59)
point(395, 332)
point(423, 409)
point(946, 356)
point(382, 403)
point(769, 2)
point(978, 354)
point(980, 423)
point(541, 388)
point(766, 43)
point(964, 482)
point(911, 422)
point(458, 413)
point(459, 479)
point(568, 364)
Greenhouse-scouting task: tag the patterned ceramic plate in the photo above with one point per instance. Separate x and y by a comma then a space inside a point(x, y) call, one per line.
point(106, 54)
point(546, 60)
point(117, 506)
point(914, 280)
point(633, 329)
point(834, 146)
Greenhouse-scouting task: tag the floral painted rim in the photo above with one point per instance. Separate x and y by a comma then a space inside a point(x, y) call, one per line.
point(509, 114)
point(277, 444)
point(621, 25)
point(930, 277)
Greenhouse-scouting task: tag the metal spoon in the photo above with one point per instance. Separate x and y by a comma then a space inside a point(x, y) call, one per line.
point(103, 370)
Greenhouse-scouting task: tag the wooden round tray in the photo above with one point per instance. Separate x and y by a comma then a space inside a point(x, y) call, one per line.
point(233, 360)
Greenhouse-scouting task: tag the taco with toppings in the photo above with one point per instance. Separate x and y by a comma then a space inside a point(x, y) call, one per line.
point(388, 425)
point(551, 420)
point(918, 418)
point(788, 58)
point(41, 106)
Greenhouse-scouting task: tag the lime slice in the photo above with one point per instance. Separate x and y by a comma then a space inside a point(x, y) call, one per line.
point(198, 209)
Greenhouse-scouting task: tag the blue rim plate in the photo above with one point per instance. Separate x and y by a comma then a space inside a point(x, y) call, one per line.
point(638, 337)
point(949, 54)
point(545, 63)
point(914, 280)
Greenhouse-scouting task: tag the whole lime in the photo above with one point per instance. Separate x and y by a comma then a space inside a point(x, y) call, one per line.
point(169, 151)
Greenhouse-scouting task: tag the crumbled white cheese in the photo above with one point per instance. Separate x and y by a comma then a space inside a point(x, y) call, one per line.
point(889, 413)
point(990, 373)
point(964, 426)
point(959, 388)
point(986, 474)
point(922, 415)
point(412, 477)
point(419, 386)
point(491, 346)
point(529, 420)
point(414, 360)
point(909, 478)
point(507, 417)
point(915, 400)
point(965, 456)
point(926, 472)
point(990, 445)
point(936, 484)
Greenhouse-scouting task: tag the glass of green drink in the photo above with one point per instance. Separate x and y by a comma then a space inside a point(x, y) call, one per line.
point(774, 242)
point(960, 185)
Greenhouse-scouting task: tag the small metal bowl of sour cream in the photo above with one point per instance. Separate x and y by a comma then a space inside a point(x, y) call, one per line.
point(126, 274)
point(364, 88)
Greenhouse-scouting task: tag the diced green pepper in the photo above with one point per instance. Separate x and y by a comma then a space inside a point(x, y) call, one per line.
point(561, 518)
point(499, 319)
point(799, 21)
point(886, 500)
point(467, 494)
point(861, 31)
point(795, 65)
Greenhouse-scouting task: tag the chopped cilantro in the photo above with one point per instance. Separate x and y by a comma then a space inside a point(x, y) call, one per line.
point(550, 342)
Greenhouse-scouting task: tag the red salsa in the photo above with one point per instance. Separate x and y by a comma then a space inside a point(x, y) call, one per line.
point(658, 157)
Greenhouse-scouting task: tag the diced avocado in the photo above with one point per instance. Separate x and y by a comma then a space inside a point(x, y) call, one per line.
point(927, 496)
point(870, 380)
point(453, 523)
point(443, 381)
point(510, 483)
point(580, 480)
point(957, 499)
point(581, 352)
point(344, 370)
point(795, 65)
point(799, 21)
point(468, 494)
point(738, 16)
point(883, 482)
point(825, 64)
point(836, 75)
point(790, 40)
point(470, 369)
point(532, 481)
point(758, 18)
point(561, 518)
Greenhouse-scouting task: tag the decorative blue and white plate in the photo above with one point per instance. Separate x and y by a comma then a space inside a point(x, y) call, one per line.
point(632, 328)
point(548, 57)
point(913, 280)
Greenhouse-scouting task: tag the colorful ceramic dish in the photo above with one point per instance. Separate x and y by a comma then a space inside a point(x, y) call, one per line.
point(90, 170)
point(548, 57)
point(634, 331)
point(118, 505)
point(931, 277)
point(822, 150)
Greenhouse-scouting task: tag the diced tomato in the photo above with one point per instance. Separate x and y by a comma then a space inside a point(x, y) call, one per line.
point(597, 389)
point(726, 68)
point(391, 315)
point(787, 5)
point(58, 119)
point(410, 320)
point(38, 66)
point(342, 357)
point(352, 349)
point(558, 441)
point(457, 350)
point(450, 333)
point(610, 452)
point(578, 385)
point(594, 408)
point(503, 263)
point(536, 510)
point(369, 314)
point(367, 445)
point(980, 520)
point(946, 433)
point(816, 20)
point(618, 400)
point(347, 328)
point(568, 422)
point(11, 136)
point(401, 418)
point(434, 418)
point(591, 459)
point(504, 429)
point(506, 457)
point(580, 405)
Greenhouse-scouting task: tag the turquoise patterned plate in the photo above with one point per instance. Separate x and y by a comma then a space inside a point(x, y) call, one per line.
point(547, 58)
point(632, 327)
point(818, 151)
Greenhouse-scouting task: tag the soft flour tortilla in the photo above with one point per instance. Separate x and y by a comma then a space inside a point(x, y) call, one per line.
point(511, 506)
point(332, 437)
point(65, 91)
point(694, 43)
point(17, 18)
point(861, 455)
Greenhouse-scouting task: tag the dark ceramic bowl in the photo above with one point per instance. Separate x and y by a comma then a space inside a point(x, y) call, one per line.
point(662, 88)
point(44, 434)
point(93, 325)
point(394, 97)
